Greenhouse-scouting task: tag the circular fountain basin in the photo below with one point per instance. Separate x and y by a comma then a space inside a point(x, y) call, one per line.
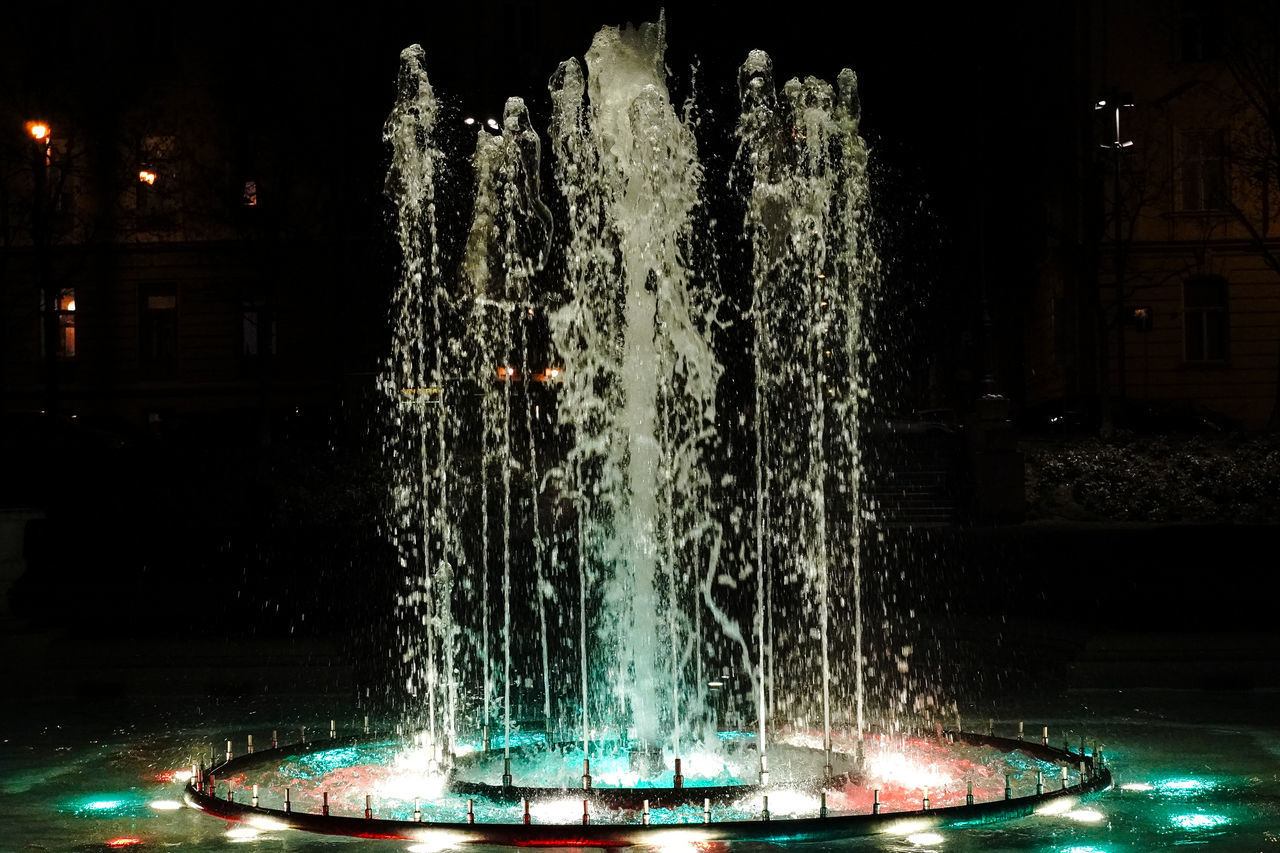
point(329, 787)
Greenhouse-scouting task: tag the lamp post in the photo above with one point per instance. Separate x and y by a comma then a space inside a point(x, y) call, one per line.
point(41, 135)
point(1115, 103)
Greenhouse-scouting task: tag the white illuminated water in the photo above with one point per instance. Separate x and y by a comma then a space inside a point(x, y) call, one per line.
point(562, 534)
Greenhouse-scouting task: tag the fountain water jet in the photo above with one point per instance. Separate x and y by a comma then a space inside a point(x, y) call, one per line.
point(631, 326)
point(555, 434)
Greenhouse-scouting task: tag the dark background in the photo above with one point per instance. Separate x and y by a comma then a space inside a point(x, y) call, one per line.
point(225, 535)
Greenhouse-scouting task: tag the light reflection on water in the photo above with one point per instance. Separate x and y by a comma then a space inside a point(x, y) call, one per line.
point(1196, 784)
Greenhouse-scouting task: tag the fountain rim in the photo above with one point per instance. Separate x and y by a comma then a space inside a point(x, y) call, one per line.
point(829, 828)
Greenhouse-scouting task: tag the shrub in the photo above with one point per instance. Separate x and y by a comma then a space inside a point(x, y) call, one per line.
point(1155, 479)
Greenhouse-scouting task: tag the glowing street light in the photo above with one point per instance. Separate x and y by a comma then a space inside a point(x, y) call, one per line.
point(1115, 103)
point(489, 123)
point(42, 134)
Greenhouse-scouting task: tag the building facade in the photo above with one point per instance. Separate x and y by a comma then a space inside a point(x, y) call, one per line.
point(1166, 293)
point(173, 253)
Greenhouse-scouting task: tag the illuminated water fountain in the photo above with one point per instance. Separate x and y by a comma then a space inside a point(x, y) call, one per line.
point(614, 619)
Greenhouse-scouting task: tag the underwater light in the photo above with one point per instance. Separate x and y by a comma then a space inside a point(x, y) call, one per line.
point(1085, 815)
point(1057, 806)
point(1183, 786)
point(436, 840)
point(561, 811)
point(265, 823)
point(925, 839)
point(431, 847)
point(910, 826)
point(1136, 786)
point(1198, 820)
point(898, 768)
point(680, 842)
point(166, 805)
point(416, 781)
point(242, 833)
point(787, 802)
point(103, 805)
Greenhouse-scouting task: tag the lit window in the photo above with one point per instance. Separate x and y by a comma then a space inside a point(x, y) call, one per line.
point(64, 342)
point(249, 198)
point(1204, 301)
point(1204, 171)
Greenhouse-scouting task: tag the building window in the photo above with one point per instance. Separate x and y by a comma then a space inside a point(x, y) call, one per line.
point(1201, 30)
point(158, 330)
point(1204, 170)
point(259, 335)
point(64, 342)
point(1204, 312)
point(158, 184)
point(249, 196)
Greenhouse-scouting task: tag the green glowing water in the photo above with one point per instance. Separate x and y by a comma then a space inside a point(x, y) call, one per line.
point(1200, 773)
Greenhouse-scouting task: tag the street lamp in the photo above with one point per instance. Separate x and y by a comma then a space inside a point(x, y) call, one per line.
point(43, 135)
point(490, 123)
point(1116, 102)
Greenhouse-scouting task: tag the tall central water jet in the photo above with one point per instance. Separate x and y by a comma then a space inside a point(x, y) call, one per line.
point(640, 372)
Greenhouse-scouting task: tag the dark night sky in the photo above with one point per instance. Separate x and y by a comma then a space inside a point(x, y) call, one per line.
point(957, 98)
point(927, 77)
